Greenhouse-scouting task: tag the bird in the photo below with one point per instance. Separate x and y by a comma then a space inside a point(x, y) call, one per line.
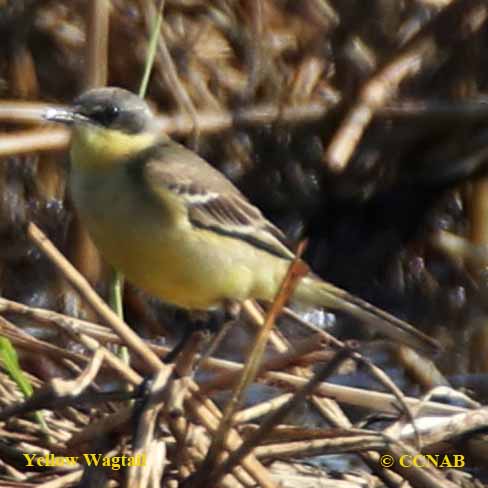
point(177, 227)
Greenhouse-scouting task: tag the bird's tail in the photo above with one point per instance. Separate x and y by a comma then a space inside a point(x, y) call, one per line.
point(314, 291)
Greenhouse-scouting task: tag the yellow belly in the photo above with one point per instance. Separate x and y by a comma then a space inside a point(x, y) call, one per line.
point(194, 270)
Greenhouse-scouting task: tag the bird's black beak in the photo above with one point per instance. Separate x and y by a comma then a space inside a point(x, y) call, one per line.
point(65, 116)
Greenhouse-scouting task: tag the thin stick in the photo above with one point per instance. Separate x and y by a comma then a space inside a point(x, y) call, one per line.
point(377, 91)
point(81, 285)
point(97, 43)
point(256, 437)
point(261, 409)
point(151, 50)
point(170, 75)
point(28, 141)
point(295, 271)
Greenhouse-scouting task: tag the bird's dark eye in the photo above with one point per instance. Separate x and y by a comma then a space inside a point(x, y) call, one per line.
point(105, 115)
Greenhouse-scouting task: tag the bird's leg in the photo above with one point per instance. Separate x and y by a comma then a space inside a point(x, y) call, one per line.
point(231, 311)
point(211, 322)
point(190, 326)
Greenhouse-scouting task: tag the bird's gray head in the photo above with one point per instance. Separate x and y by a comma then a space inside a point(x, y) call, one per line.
point(110, 125)
point(110, 108)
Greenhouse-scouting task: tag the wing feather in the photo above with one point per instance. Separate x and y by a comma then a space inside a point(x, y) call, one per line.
point(208, 199)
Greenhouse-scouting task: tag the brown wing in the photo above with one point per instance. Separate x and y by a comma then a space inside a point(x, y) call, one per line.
point(208, 199)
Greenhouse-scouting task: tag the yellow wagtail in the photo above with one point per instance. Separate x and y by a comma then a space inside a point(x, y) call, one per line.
point(177, 227)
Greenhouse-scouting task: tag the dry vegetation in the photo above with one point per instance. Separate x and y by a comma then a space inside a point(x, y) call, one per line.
point(360, 125)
